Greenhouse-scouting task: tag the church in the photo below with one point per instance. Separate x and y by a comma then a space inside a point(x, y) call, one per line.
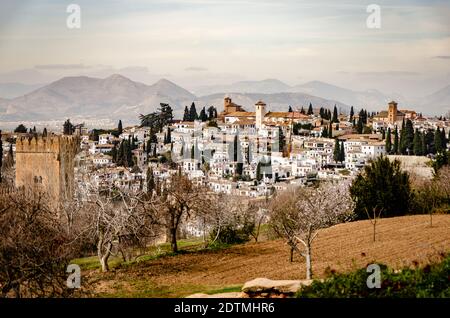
point(236, 114)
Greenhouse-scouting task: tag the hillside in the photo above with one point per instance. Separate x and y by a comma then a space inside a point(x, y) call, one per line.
point(400, 242)
point(114, 97)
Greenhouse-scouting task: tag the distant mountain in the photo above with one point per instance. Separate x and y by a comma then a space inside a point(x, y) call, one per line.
point(267, 86)
point(116, 97)
point(437, 103)
point(12, 90)
point(370, 99)
point(275, 102)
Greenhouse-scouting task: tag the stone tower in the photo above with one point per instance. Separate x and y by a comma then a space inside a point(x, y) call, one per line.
point(392, 112)
point(260, 111)
point(47, 163)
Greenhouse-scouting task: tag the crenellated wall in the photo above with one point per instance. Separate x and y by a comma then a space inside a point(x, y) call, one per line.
point(47, 163)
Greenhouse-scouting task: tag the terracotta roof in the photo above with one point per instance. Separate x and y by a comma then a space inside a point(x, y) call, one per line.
point(241, 114)
point(286, 115)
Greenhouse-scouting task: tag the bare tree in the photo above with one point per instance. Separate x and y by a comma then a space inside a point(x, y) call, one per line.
point(117, 220)
point(178, 200)
point(373, 216)
point(298, 214)
point(35, 248)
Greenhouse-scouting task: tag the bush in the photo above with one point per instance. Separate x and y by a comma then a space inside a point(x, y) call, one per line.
point(234, 233)
point(429, 281)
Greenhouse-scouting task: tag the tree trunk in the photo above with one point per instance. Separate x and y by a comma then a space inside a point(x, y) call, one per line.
point(292, 255)
point(308, 262)
point(173, 240)
point(103, 257)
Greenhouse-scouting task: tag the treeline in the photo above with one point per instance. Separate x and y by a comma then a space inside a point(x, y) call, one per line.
point(190, 114)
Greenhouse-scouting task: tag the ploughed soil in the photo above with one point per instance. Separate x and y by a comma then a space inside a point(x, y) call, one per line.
point(400, 241)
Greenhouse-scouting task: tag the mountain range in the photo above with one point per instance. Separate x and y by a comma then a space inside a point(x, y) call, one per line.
point(117, 97)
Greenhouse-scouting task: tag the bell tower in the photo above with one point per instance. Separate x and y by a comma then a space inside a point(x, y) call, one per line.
point(392, 112)
point(260, 111)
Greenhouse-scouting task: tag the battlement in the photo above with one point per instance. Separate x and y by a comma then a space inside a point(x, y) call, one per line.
point(54, 144)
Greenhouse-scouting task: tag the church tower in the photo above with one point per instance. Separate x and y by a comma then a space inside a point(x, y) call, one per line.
point(260, 110)
point(392, 112)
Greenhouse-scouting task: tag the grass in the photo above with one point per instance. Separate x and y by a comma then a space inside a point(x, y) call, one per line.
point(401, 241)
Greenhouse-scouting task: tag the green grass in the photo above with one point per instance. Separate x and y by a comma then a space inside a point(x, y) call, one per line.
point(153, 253)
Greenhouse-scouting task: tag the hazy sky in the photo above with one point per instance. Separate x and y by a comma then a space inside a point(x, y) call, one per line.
point(202, 42)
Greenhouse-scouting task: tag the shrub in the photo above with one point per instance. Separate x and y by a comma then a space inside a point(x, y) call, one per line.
point(429, 281)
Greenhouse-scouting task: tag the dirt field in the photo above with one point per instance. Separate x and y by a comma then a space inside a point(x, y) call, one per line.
point(400, 241)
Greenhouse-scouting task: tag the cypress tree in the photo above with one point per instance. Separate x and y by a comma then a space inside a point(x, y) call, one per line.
point(352, 113)
point(423, 144)
point(342, 157)
point(44, 132)
point(388, 141)
point(114, 154)
point(438, 141)
point(302, 111)
point(337, 151)
point(192, 152)
point(402, 145)
point(150, 181)
point(443, 139)
point(203, 116)
point(325, 132)
point(330, 130)
point(310, 109)
point(409, 136)
point(193, 112)
point(417, 143)
point(120, 128)
point(396, 141)
point(186, 116)
point(290, 109)
point(335, 115)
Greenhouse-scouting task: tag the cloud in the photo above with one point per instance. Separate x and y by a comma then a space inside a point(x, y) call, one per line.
point(443, 57)
point(61, 67)
point(196, 69)
point(388, 73)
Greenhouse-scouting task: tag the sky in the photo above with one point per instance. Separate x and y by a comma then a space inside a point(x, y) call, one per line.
point(209, 42)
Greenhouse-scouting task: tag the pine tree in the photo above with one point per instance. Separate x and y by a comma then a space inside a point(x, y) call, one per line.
point(120, 128)
point(337, 151)
point(417, 143)
point(310, 109)
point(352, 113)
point(396, 141)
point(388, 141)
point(193, 112)
point(186, 116)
